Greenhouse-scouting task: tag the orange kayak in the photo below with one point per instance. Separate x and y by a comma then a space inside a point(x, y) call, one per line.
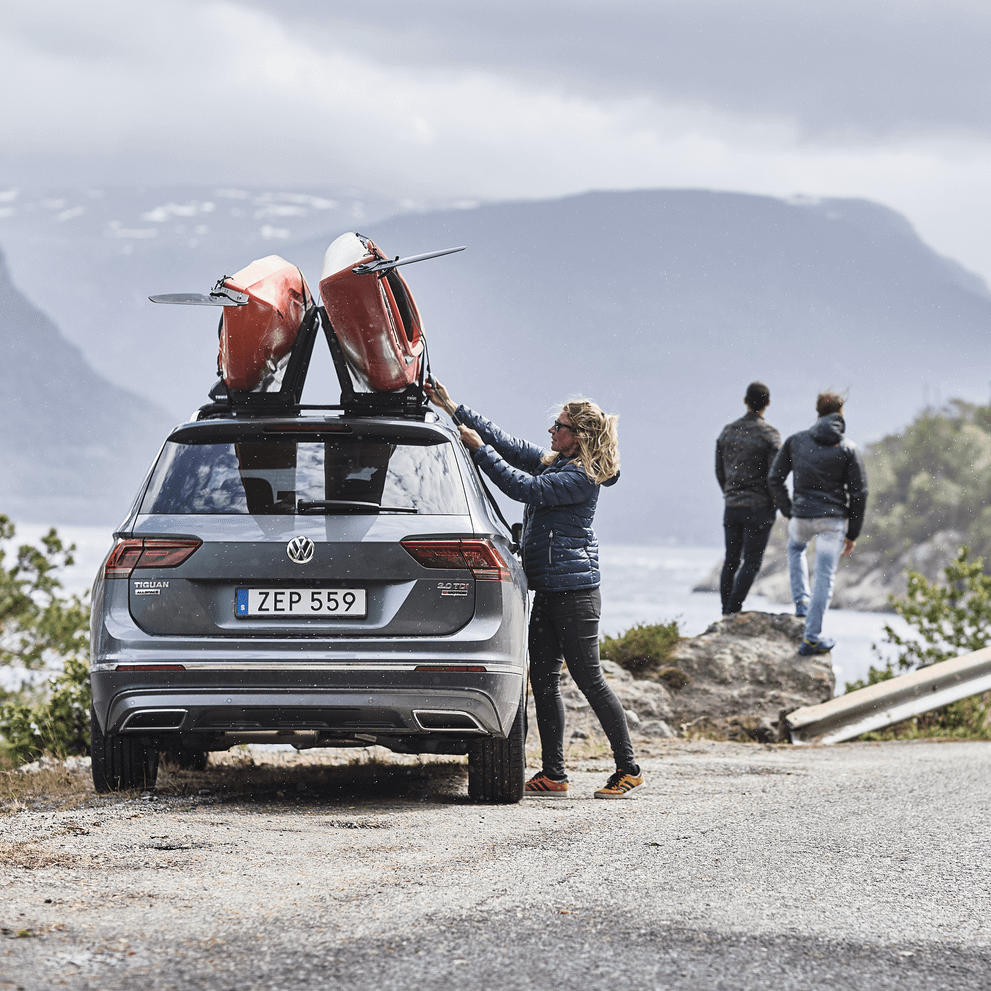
point(372, 313)
point(255, 339)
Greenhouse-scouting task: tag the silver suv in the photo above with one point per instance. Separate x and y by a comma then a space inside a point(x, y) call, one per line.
point(319, 578)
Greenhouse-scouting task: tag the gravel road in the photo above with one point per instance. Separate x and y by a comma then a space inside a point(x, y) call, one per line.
point(860, 866)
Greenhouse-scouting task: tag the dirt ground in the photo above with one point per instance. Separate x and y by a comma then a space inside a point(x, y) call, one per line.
point(740, 866)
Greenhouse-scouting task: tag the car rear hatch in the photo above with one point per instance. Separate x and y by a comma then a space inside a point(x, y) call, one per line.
point(269, 530)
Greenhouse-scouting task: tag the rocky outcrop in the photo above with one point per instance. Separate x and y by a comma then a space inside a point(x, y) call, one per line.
point(647, 703)
point(734, 681)
point(745, 672)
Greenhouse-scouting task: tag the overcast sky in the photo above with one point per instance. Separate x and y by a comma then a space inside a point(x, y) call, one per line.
point(478, 100)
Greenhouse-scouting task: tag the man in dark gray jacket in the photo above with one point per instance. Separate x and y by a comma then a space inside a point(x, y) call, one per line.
point(744, 452)
point(829, 496)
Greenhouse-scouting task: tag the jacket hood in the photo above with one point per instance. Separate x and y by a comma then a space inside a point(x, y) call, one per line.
point(613, 480)
point(828, 430)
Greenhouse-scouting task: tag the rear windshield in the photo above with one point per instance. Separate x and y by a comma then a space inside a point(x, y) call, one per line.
point(307, 477)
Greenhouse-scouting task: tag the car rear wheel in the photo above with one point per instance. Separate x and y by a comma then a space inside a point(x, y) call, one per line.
point(496, 768)
point(120, 762)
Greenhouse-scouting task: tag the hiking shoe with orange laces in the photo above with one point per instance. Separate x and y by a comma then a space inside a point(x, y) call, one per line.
point(541, 786)
point(621, 785)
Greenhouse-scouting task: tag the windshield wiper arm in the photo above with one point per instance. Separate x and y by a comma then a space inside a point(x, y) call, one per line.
point(327, 505)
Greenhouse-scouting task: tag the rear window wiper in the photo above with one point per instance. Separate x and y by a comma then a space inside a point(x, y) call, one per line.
point(344, 505)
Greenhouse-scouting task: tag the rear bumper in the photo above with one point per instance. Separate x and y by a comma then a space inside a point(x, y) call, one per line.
point(402, 710)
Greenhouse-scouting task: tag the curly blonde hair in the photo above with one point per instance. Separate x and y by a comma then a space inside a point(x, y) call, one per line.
point(597, 436)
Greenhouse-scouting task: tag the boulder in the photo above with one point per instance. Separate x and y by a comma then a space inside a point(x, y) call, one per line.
point(734, 681)
point(745, 672)
point(647, 704)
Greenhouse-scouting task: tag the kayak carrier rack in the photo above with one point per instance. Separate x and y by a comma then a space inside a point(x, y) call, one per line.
point(410, 402)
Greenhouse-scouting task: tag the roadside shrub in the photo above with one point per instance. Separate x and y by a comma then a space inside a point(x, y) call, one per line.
point(37, 624)
point(644, 648)
point(57, 723)
point(42, 628)
point(874, 677)
point(950, 619)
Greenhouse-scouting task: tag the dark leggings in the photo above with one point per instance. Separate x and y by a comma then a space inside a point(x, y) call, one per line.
point(564, 628)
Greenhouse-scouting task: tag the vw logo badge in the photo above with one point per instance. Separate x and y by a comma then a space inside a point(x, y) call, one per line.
point(300, 550)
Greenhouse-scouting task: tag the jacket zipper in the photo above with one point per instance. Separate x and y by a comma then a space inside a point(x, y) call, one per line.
point(550, 547)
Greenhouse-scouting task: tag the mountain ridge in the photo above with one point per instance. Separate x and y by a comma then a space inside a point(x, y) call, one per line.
point(660, 304)
point(663, 305)
point(74, 446)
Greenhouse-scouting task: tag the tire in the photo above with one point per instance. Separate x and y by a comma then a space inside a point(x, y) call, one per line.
point(497, 768)
point(120, 762)
point(185, 759)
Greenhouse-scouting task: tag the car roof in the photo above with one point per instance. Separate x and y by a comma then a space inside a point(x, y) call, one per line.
point(316, 423)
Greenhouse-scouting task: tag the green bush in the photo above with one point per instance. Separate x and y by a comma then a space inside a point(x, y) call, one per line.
point(42, 628)
point(874, 676)
point(949, 619)
point(644, 648)
point(57, 723)
point(37, 624)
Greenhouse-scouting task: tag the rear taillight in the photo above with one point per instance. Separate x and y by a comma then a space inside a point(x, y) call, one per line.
point(475, 555)
point(150, 553)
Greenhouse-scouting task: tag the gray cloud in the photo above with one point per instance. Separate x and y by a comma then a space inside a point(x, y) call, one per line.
point(432, 99)
point(869, 69)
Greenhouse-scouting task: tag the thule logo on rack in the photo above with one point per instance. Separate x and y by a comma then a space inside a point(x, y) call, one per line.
point(300, 550)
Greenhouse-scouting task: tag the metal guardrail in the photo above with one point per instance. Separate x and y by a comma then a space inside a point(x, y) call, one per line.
point(889, 702)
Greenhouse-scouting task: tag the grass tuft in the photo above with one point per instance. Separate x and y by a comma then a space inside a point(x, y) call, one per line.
point(674, 678)
point(644, 649)
point(54, 787)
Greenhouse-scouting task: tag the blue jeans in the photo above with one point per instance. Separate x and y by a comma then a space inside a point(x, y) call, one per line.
point(829, 533)
point(747, 531)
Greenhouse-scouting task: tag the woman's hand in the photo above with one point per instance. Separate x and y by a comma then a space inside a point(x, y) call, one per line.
point(439, 396)
point(469, 437)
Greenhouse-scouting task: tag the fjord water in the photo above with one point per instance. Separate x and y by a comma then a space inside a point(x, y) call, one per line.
point(653, 584)
point(648, 584)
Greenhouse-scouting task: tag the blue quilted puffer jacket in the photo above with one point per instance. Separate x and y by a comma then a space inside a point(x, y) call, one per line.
point(560, 551)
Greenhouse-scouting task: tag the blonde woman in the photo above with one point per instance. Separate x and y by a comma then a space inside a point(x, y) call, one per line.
point(560, 489)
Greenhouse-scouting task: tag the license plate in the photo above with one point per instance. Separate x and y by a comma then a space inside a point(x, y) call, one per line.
point(344, 603)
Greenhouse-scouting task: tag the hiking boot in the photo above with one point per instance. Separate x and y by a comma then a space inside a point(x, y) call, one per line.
point(801, 611)
point(541, 786)
point(621, 784)
point(811, 647)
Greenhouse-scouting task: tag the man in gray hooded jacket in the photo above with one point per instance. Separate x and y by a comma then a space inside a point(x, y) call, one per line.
point(829, 496)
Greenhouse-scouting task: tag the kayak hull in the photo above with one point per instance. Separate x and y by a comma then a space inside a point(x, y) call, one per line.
point(373, 315)
point(256, 339)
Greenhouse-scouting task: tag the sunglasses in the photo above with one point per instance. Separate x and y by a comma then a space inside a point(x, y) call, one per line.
point(558, 425)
